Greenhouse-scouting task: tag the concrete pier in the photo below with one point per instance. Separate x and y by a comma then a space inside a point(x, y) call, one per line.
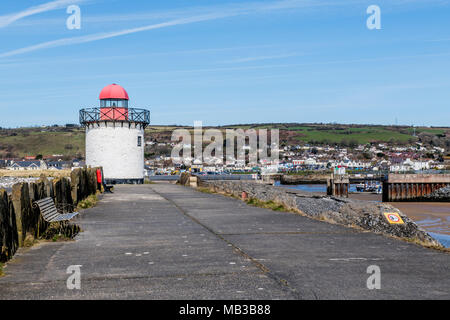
point(163, 241)
point(408, 187)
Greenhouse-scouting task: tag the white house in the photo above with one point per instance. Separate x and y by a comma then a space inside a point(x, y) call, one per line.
point(28, 165)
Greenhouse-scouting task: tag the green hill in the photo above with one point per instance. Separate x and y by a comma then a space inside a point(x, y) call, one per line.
point(44, 141)
point(69, 141)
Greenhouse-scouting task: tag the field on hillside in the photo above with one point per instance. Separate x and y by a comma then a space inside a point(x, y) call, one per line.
point(360, 135)
point(38, 141)
point(70, 142)
point(345, 134)
point(331, 134)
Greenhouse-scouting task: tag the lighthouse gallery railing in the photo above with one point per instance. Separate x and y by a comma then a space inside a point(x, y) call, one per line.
point(92, 115)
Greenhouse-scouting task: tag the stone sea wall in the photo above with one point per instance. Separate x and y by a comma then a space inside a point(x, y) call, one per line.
point(304, 179)
point(353, 213)
point(9, 240)
point(20, 220)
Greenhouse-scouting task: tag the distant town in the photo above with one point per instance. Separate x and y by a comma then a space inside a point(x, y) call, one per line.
point(303, 147)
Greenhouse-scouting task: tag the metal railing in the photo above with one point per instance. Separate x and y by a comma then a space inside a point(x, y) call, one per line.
point(94, 115)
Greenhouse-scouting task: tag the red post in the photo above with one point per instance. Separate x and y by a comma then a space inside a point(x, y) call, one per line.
point(99, 179)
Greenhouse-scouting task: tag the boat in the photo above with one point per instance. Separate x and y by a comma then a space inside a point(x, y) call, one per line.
point(369, 187)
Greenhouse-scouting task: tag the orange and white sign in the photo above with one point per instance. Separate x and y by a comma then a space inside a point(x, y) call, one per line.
point(393, 218)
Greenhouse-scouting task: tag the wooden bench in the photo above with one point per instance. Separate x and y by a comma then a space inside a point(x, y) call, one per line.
point(108, 189)
point(49, 211)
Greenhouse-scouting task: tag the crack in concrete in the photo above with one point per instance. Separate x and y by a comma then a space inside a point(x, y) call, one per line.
point(284, 283)
point(283, 232)
point(121, 277)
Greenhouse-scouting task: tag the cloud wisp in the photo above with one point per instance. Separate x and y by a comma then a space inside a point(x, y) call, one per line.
point(8, 19)
point(231, 11)
point(208, 14)
point(259, 58)
point(190, 11)
point(103, 35)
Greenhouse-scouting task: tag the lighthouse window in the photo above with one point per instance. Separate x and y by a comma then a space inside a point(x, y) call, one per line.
point(113, 103)
point(139, 141)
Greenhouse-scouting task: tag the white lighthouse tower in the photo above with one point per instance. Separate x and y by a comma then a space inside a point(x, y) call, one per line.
point(115, 136)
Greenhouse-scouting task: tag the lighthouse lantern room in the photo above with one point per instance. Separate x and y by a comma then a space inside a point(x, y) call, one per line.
point(115, 136)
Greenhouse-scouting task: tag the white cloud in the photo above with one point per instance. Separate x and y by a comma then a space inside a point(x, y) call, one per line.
point(103, 35)
point(212, 15)
point(244, 7)
point(207, 14)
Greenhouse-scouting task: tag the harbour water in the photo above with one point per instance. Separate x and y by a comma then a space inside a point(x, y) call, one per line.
point(434, 217)
point(7, 182)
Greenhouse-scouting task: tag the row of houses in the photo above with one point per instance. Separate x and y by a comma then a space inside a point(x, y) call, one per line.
point(392, 165)
point(40, 164)
point(311, 163)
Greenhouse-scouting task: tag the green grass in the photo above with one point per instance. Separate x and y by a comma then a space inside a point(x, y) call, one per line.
point(1, 270)
point(268, 205)
point(89, 202)
point(29, 241)
point(60, 231)
point(60, 237)
point(204, 190)
point(31, 142)
point(70, 142)
point(360, 135)
point(436, 131)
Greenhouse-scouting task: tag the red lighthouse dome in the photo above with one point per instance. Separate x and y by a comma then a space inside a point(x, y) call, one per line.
point(113, 103)
point(113, 91)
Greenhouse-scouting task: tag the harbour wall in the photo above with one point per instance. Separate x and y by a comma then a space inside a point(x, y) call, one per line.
point(359, 214)
point(21, 222)
point(416, 187)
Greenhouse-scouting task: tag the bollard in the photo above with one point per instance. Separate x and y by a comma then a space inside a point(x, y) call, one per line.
point(193, 181)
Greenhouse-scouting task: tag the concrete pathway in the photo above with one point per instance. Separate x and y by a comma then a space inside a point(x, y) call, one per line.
point(163, 241)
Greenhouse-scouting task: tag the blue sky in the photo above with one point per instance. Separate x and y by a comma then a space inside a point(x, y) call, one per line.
point(227, 62)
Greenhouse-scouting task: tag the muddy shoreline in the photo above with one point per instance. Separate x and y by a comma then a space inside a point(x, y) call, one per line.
point(432, 216)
